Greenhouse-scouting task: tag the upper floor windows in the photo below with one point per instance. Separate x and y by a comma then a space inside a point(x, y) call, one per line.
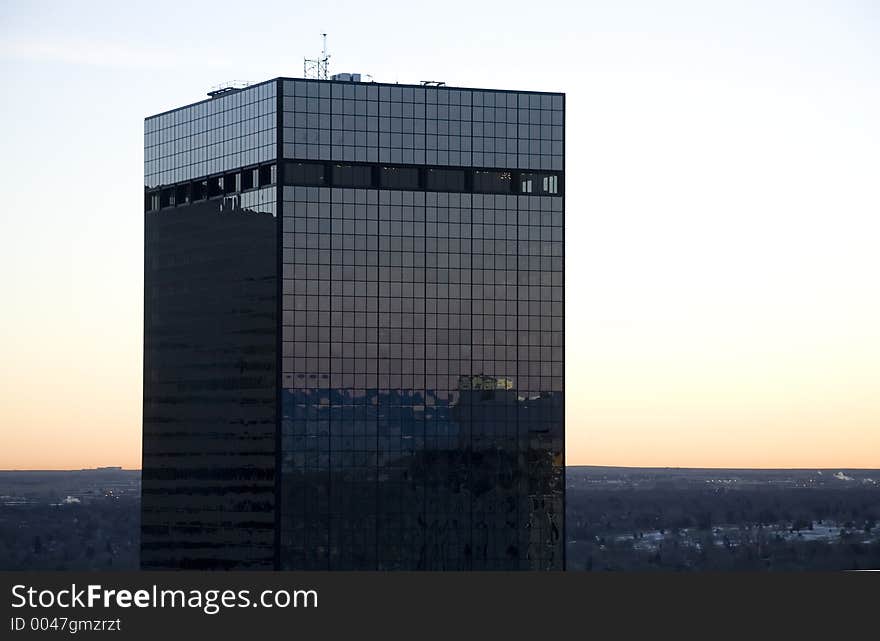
point(352, 176)
point(360, 175)
point(187, 192)
point(309, 174)
point(399, 178)
point(493, 182)
point(445, 179)
point(537, 183)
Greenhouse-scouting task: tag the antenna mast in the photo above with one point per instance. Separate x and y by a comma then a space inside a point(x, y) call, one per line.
point(318, 68)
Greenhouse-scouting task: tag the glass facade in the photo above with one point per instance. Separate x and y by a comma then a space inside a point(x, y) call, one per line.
point(369, 122)
point(422, 369)
point(418, 271)
point(422, 332)
point(210, 353)
point(210, 335)
point(217, 135)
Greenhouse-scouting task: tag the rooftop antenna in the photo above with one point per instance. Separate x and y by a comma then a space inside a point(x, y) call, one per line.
point(318, 68)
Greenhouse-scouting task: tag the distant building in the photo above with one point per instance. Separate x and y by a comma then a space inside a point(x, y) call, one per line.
point(353, 329)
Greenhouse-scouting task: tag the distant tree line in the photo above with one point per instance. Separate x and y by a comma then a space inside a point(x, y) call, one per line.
point(102, 534)
point(712, 528)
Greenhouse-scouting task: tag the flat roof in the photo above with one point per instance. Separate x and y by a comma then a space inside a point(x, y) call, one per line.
point(350, 82)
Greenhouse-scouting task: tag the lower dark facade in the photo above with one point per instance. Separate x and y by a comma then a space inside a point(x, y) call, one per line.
point(369, 379)
point(422, 408)
point(209, 417)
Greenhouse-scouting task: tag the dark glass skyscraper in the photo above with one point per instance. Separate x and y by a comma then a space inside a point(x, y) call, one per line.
point(354, 336)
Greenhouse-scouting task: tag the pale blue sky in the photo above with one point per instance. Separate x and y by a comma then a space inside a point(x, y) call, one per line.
point(723, 216)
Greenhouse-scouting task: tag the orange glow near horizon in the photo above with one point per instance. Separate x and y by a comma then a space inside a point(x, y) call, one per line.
point(659, 392)
point(616, 416)
point(721, 194)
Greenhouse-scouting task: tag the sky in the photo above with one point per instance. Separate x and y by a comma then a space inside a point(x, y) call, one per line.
point(722, 207)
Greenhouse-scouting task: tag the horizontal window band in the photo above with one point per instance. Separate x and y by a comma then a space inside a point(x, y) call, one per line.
point(421, 178)
point(237, 181)
point(386, 176)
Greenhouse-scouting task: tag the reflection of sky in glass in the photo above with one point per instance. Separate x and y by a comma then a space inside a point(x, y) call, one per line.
point(422, 362)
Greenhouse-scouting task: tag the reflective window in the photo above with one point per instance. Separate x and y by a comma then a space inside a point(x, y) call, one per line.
point(399, 177)
point(493, 182)
point(267, 175)
point(422, 361)
point(303, 173)
point(215, 186)
point(250, 178)
point(181, 194)
point(443, 126)
point(533, 183)
point(445, 179)
point(232, 130)
point(352, 175)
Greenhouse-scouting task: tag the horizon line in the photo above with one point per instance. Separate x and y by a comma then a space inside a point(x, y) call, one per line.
point(610, 467)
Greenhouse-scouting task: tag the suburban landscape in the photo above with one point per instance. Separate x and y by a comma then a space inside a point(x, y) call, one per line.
point(716, 520)
point(618, 519)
